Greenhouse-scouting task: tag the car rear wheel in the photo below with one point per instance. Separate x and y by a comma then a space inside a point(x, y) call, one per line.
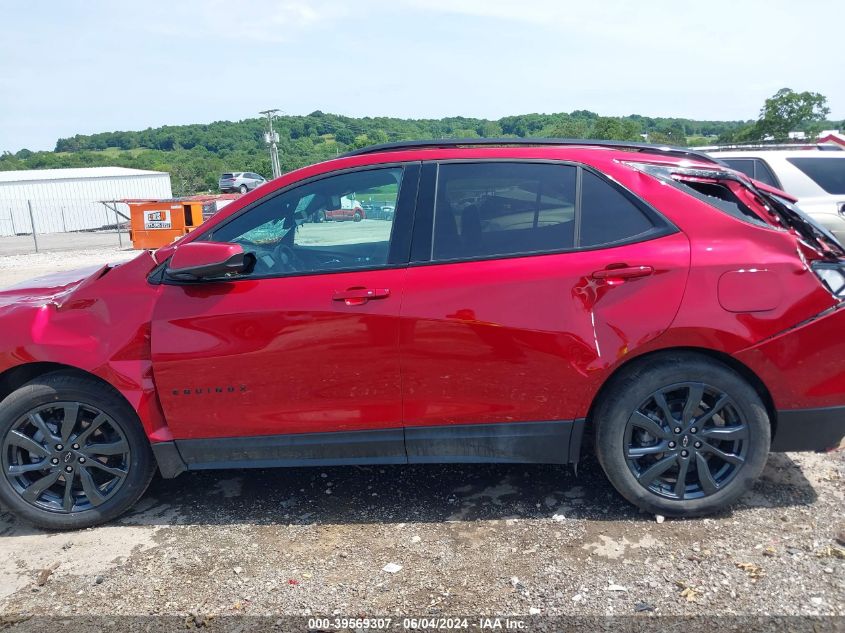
point(243, 189)
point(74, 453)
point(681, 435)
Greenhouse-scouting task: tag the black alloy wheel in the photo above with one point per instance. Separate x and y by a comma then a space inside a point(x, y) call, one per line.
point(66, 457)
point(686, 441)
point(681, 434)
point(72, 450)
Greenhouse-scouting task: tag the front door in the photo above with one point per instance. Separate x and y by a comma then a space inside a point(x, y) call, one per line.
point(307, 343)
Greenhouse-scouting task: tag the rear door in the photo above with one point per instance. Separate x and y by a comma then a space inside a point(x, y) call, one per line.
point(307, 343)
point(528, 280)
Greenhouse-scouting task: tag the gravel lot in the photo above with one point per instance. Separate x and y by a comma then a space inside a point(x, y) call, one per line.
point(470, 540)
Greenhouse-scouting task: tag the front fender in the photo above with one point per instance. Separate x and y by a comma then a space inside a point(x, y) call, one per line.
point(100, 325)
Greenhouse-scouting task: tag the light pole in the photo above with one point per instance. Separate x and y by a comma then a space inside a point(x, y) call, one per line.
point(271, 138)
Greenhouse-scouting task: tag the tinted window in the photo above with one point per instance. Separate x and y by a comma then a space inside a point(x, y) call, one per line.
point(763, 173)
point(745, 165)
point(607, 214)
point(487, 209)
point(827, 173)
point(318, 227)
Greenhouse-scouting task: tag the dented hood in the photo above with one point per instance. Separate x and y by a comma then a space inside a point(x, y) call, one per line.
point(52, 288)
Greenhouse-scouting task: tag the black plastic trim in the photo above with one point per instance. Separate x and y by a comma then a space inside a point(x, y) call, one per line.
point(816, 430)
point(512, 442)
point(382, 446)
point(170, 462)
point(424, 214)
point(556, 442)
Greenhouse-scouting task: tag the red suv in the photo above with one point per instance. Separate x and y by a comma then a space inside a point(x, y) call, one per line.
point(523, 297)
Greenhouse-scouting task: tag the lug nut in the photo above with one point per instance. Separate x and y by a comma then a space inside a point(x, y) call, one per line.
point(55, 460)
point(698, 444)
point(69, 469)
point(671, 444)
point(684, 453)
point(59, 447)
point(81, 460)
point(677, 429)
point(693, 430)
point(75, 447)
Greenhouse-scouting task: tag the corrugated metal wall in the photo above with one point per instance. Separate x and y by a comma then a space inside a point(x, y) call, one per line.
point(73, 204)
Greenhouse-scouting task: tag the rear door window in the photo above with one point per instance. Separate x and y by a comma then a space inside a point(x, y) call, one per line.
point(498, 209)
point(501, 209)
point(827, 173)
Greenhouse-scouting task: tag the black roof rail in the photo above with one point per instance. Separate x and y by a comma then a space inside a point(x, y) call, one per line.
point(665, 150)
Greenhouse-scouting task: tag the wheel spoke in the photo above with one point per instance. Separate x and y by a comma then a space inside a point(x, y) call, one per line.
point(705, 477)
point(108, 448)
point(67, 501)
point(27, 443)
point(727, 433)
point(694, 396)
point(657, 469)
point(681, 484)
point(95, 424)
point(41, 425)
point(731, 458)
point(706, 416)
point(35, 489)
point(636, 452)
point(71, 413)
point(644, 422)
point(116, 472)
point(19, 469)
point(660, 399)
point(90, 488)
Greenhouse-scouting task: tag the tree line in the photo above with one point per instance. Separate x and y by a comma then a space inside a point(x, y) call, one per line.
point(195, 155)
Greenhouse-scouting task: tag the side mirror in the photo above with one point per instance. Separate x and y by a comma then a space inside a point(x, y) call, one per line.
point(196, 261)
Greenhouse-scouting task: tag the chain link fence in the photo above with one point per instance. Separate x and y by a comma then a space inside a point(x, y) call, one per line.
point(33, 226)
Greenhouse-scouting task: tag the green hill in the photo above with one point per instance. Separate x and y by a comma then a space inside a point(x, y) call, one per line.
point(195, 155)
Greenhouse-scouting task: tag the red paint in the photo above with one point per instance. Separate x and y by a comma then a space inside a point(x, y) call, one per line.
point(749, 290)
point(202, 254)
point(526, 338)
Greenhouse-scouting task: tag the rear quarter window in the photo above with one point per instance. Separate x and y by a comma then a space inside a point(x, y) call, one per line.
point(608, 215)
point(827, 173)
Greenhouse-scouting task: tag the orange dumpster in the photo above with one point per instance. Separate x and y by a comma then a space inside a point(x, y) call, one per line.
point(157, 223)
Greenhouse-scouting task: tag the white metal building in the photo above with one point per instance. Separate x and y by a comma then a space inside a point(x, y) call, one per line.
point(70, 199)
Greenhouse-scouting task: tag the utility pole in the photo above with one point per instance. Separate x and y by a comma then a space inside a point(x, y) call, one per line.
point(271, 138)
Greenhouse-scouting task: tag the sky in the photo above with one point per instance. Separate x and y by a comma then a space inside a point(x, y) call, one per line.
point(72, 67)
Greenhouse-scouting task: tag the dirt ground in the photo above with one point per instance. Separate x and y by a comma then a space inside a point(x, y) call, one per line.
point(468, 540)
point(52, 242)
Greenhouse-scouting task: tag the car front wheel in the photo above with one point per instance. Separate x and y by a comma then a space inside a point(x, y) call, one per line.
point(681, 435)
point(74, 453)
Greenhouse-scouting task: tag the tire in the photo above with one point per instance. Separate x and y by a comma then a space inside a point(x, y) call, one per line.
point(243, 188)
point(117, 442)
point(357, 217)
point(631, 451)
point(320, 217)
